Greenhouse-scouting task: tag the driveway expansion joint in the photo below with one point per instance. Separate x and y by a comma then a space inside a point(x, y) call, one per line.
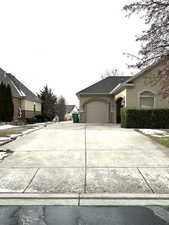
point(31, 180)
point(85, 180)
point(146, 181)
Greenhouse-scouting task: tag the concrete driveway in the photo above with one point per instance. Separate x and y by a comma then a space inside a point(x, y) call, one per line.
point(79, 158)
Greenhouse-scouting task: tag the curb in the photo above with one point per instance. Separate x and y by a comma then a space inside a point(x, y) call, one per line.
point(124, 199)
point(38, 196)
point(123, 196)
point(7, 142)
point(39, 199)
point(85, 199)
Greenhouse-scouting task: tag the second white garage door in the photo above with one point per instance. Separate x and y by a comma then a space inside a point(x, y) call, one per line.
point(97, 112)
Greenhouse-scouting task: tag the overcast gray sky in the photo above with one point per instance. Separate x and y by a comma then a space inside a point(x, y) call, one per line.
point(65, 44)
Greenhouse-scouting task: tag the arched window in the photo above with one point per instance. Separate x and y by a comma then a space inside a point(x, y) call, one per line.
point(146, 99)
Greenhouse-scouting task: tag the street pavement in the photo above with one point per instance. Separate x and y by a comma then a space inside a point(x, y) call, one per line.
point(85, 158)
point(57, 215)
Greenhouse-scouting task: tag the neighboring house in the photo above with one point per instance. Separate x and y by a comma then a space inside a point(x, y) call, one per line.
point(69, 110)
point(101, 102)
point(26, 103)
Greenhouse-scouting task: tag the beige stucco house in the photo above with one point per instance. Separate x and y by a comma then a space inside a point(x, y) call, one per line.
point(102, 101)
point(26, 103)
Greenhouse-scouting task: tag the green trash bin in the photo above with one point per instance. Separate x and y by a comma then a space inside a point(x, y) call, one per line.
point(75, 117)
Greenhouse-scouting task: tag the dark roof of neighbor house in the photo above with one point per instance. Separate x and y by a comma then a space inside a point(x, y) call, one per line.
point(69, 108)
point(18, 89)
point(104, 86)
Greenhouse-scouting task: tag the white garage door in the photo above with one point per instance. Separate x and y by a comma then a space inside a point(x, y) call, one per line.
point(97, 112)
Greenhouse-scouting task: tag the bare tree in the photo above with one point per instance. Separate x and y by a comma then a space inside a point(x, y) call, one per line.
point(116, 72)
point(61, 108)
point(113, 72)
point(155, 40)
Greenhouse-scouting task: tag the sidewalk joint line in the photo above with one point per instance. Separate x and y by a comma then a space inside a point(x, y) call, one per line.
point(30, 181)
point(146, 181)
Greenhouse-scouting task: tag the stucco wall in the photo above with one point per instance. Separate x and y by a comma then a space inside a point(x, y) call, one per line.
point(143, 83)
point(86, 99)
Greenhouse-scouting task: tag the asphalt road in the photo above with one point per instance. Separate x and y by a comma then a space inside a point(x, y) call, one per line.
point(56, 215)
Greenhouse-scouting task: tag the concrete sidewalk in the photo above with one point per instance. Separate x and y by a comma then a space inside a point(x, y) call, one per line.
point(79, 158)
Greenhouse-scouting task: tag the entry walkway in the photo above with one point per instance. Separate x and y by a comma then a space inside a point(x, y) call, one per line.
point(79, 158)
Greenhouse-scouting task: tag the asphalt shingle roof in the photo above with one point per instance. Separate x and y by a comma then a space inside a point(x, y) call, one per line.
point(104, 86)
point(18, 89)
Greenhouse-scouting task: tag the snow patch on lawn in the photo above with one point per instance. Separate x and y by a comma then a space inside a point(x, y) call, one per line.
point(153, 132)
point(3, 155)
point(4, 139)
point(13, 136)
point(30, 131)
point(5, 127)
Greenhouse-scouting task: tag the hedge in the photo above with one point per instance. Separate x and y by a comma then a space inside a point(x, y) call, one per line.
point(145, 118)
point(6, 103)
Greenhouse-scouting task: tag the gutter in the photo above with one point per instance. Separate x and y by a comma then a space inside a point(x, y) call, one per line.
point(119, 87)
point(108, 93)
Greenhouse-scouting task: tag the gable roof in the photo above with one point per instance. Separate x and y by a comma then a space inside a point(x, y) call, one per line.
point(69, 108)
point(18, 89)
point(137, 75)
point(104, 86)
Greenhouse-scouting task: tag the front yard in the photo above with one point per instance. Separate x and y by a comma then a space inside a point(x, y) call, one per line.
point(9, 133)
point(14, 130)
point(161, 140)
point(159, 136)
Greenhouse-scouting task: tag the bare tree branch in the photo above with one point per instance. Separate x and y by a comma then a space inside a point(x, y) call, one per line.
point(155, 40)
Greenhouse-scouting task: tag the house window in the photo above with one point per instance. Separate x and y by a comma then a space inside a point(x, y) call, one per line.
point(146, 99)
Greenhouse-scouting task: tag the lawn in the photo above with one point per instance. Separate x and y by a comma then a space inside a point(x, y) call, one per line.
point(15, 130)
point(161, 140)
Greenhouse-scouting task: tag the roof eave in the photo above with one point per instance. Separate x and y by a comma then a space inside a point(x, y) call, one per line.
point(126, 84)
point(80, 94)
point(144, 71)
point(121, 87)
